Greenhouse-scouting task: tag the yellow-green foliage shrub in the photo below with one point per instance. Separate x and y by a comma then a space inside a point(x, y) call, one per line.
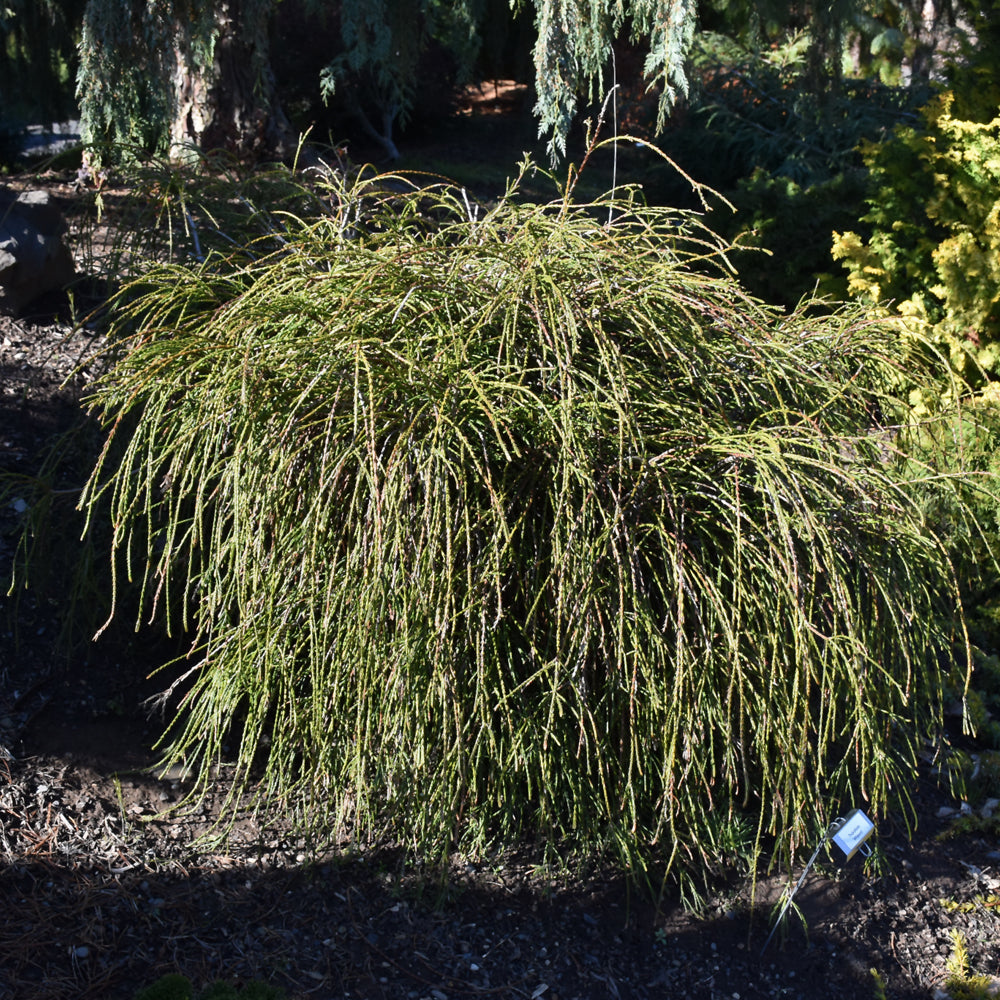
point(933, 255)
point(523, 525)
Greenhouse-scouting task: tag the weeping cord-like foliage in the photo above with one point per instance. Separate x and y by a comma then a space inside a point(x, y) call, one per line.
point(500, 524)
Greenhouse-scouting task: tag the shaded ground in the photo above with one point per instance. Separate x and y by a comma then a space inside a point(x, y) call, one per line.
point(101, 890)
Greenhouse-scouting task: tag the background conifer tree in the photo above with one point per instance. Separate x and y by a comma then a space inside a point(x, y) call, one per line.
point(172, 72)
point(162, 74)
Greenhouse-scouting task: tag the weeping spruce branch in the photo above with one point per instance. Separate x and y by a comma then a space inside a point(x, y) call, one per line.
point(573, 52)
point(159, 74)
point(524, 526)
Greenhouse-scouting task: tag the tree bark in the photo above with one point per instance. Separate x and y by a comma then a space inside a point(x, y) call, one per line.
point(228, 101)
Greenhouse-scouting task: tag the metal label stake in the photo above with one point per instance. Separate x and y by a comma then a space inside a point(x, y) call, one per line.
point(849, 833)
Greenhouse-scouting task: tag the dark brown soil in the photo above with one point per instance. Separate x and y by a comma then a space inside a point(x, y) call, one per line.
point(102, 888)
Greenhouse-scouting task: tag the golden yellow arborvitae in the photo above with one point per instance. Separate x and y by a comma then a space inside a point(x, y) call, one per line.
point(933, 257)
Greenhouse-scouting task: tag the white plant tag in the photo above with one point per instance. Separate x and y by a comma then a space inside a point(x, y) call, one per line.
point(853, 832)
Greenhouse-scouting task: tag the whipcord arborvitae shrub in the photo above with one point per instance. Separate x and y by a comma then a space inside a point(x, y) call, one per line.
point(528, 524)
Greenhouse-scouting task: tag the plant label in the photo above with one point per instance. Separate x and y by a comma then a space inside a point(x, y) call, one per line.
point(853, 831)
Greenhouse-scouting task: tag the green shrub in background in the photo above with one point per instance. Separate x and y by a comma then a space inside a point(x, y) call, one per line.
point(792, 223)
point(755, 111)
point(933, 256)
point(785, 155)
point(520, 524)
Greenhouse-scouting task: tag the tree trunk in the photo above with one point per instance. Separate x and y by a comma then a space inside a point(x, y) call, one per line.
point(224, 95)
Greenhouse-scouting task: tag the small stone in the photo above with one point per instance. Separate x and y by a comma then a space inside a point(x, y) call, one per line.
point(81, 952)
point(944, 812)
point(988, 808)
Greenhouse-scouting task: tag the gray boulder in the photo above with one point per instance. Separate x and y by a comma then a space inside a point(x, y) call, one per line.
point(33, 257)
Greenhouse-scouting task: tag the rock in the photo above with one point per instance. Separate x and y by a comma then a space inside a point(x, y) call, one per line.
point(33, 257)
